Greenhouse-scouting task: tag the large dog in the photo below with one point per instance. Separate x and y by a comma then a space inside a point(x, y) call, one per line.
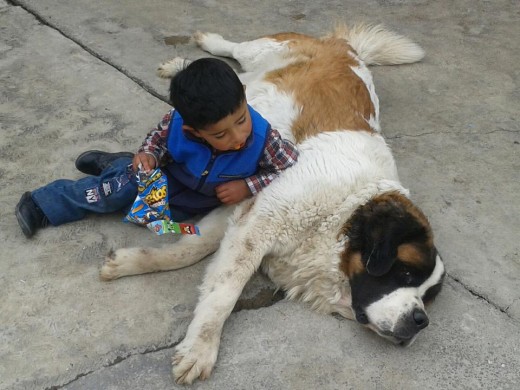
point(337, 230)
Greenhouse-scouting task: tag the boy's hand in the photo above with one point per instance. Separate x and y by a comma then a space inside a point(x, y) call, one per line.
point(233, 192)
point(146, 160)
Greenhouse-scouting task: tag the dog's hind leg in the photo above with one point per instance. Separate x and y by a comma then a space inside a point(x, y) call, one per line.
point(214, 44)
point(239, 256)
point(187, 251)
point(258, 55)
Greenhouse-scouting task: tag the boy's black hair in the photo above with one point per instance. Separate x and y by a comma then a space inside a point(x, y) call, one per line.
point(205, 92)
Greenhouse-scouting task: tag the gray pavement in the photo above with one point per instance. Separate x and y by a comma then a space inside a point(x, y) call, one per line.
point(77, 75)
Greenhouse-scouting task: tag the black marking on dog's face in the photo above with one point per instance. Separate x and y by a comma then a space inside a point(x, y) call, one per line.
point(400, 315)
point(392, 266)
point(367, 289)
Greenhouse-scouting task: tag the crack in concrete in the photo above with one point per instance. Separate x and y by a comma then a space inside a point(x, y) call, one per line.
point(118, 359)
point(482, 297)
point(99, 56)
point(416, 135)
point(512, 303)
point(57, 387)
point(500, 129)
point(150, 89)
point(265, 298)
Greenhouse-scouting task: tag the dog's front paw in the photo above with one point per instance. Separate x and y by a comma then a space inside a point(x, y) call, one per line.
point(194, 361)
point(121, 262)
point(170, 68)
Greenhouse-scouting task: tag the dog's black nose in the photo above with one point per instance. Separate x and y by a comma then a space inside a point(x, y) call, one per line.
point(420, 318)
point(361, 317)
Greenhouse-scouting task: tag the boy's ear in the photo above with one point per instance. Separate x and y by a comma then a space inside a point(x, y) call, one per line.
point(191, 130)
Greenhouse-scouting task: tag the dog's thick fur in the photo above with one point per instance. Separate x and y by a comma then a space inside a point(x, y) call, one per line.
point(336, 230)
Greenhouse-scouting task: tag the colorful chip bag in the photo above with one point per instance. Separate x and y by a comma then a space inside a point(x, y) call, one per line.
point(151, 207)
point(151, 203)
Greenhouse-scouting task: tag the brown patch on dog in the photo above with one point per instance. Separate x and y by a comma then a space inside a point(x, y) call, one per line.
point(351, 263)
point(410, 254)
point(321, 80)
point(290, 36)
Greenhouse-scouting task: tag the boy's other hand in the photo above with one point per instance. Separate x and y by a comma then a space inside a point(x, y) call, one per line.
point(146, 160)
point(233, 191)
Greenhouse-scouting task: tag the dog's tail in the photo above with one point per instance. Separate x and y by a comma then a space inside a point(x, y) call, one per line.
point(376, 45)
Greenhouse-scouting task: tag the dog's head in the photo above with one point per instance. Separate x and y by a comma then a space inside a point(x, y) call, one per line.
point(393, 267)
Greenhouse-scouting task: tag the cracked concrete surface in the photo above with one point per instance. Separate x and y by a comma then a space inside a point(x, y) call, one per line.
point(80, 75)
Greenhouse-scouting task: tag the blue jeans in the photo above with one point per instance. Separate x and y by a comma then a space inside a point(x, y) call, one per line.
point(115, 189)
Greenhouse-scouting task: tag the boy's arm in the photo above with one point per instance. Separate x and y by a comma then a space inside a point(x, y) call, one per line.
point(155, 143)
point(279, 154)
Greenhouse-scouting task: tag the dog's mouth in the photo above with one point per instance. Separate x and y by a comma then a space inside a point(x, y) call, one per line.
point(406, 342)
point(403, 340)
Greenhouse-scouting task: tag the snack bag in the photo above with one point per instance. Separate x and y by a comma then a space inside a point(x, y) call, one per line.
point(162, 227)
point(151, 207)
point(151, 203)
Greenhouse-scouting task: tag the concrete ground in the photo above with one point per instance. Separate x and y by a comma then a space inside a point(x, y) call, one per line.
point(78, 75)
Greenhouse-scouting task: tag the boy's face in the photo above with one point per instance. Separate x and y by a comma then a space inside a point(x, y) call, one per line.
point(230, 133)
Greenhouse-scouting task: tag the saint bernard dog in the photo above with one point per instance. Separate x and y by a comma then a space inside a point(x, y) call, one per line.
point(337, 230)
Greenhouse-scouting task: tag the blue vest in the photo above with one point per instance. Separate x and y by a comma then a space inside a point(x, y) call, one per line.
point(197, 169)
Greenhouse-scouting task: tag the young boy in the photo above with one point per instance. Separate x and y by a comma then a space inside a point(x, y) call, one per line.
point(213, 148)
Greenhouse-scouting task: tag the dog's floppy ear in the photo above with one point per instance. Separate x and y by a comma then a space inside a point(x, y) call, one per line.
point(381, 250)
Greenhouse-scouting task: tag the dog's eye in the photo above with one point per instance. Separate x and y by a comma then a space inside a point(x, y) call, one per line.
point(405, 278)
